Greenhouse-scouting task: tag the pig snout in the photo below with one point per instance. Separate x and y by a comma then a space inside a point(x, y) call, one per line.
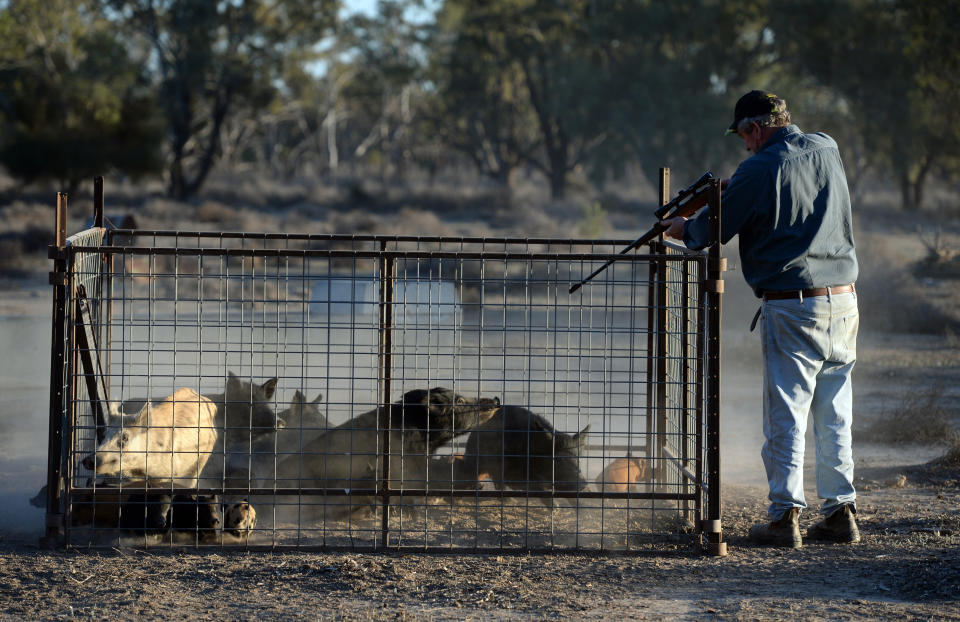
point(281, 424)
point(89, 462)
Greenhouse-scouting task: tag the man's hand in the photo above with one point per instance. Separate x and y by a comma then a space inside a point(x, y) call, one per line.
point(674, 227)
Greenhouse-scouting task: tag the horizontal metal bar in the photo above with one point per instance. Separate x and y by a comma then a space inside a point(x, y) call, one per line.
point(164, 548)
point(339, 237)
point(408, 492)
point(374, 254)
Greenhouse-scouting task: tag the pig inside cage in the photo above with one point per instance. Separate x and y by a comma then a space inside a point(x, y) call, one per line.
point(364, 392)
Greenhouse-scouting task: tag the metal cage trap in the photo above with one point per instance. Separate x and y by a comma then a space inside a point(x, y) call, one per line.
point(369, 392)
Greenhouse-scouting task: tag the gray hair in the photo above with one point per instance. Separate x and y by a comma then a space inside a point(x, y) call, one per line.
point(780, 117)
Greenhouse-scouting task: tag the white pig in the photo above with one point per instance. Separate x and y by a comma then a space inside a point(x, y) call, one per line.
point(168, 441)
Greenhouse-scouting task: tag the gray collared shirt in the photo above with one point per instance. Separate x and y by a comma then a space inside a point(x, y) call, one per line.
point(790, 204)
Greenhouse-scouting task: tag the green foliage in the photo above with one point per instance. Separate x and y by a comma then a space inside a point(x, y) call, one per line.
point(73, 102)
point(519, 84)
point(593, 221)
point(383, 85)
point(481, 104)
point(676, 70)
point(215, 59)
point(933, 46)
point(889, 63)
point(572, 87)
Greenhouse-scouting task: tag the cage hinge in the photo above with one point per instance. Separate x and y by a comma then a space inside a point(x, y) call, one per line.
point(58, 278)
point(54, 520)
point(711, 526)
point(718, 264)
point(713, 285)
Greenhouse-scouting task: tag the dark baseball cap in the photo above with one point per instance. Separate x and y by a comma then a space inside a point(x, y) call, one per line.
point(753, 104)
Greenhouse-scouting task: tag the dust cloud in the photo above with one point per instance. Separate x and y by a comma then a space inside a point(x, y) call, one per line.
point(24, 413)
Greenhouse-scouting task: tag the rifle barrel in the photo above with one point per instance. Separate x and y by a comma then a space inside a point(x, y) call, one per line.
point(656, 230)
point(686, 203)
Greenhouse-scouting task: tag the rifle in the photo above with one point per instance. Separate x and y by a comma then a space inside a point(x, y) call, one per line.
point(685, 204)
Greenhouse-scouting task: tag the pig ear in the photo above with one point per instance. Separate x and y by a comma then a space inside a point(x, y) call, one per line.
point(143, 414)
point(581, 437)
point(269, 387)
point(317, 399)
point(232, 381)
point(298, 398)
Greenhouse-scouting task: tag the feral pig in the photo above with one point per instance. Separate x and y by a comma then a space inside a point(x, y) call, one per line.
point(245, 419)
point(520, 450)
point(239, 519)
point(348, 456)
point(304, 422)
point(156, 512)
point(622, 475)
point(243, 412)
point(242, 416)
point(198, 515)
point(169, 441)
point(145, 513)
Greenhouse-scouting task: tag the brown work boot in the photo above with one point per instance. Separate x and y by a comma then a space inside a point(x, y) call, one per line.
point(840, 526)
point(785, 531)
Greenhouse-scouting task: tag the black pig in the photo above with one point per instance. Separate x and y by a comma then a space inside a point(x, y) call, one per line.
point(157, 512)
point(145, 513)
point(520, 450)
point(195, 514)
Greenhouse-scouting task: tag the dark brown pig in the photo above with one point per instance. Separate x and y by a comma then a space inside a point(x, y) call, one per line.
point(348, 456)
point(520, 450)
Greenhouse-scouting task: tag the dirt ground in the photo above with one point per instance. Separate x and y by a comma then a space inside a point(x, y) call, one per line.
point(906, 567)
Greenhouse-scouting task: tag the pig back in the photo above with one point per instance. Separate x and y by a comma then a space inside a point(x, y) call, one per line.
point(520, 449)
point(186, 422)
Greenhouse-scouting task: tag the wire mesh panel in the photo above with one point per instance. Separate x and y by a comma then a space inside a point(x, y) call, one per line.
point(680, 355)
point(371, 392)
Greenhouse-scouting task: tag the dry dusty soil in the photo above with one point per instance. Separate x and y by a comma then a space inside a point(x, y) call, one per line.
point(906, 567)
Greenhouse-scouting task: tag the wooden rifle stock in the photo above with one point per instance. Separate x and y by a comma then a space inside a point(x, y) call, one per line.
point(687, 202)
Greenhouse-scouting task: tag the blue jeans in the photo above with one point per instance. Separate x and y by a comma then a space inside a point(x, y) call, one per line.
point(809, 349)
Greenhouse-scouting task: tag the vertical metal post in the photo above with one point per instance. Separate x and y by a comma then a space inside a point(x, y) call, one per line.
point(685, 359)
point(105, 282)
point(58, 278)
point(61, 224)
point(698, 398)
point(651, 318)
point(651, 325)
point(713, 528)
point(387, 267)
point(660, 322)
point(98, 202)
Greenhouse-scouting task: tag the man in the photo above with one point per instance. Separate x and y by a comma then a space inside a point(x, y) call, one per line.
point(790, 205)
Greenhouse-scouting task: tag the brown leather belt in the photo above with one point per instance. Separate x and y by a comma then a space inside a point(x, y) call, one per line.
point(809, 293)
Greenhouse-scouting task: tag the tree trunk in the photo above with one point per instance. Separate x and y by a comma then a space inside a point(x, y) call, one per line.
point(555, 141)
point(183, 187)
point(558, 181)
point(181, 118)
point(912, 187)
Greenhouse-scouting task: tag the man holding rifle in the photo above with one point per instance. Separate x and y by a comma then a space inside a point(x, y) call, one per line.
point(790, 205)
